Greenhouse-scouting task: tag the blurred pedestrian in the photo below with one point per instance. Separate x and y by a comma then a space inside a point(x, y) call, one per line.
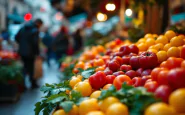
point(78, 40)
point(28, 41)
point(61, 43)
point(47, 41)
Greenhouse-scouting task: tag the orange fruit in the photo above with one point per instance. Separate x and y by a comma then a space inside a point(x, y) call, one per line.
point(173, 52)
point(149, 42)
point(166, 47)
point(88, 105)
point(107, 86)
point(162, 56)
point(95, 94)
point(80, 64)
point(170, 34)
point(155, 35)
point(142, 47)
point(117, 109)
point(74, 81)
point(95, 113)
point(177, 41)
point(100, 49)
point(159, 46)
point(159, 108)
point(79, 77)
point(84, 88)
point(148, 35)
point(74, 110)
point(162, 39)
point(104, 104)
point(101, 68)
point(60, 112)
point(177, 100)
point(153, 50)
point(142, 40)
point(98, 62)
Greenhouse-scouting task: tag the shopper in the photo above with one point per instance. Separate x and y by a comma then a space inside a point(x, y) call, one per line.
point(78, 40)
point(28, 41)
point(61, 43)
point(47, 41)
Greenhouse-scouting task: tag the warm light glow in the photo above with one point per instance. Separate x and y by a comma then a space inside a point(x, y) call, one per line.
point(110, 7)
point(101, 17)
point(128, 12)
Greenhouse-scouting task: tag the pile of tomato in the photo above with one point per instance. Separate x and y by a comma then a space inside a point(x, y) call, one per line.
point(154, 62)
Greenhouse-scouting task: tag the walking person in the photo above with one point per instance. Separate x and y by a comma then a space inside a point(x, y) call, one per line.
point(28, 41)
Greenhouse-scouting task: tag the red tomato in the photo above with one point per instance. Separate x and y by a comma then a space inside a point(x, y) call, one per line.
point(163, 92)
point(183, 64)
point(136, 81)
point(107, 71)
point(162, 77)
point(114, 65)
point(134, 49)
point(173, 62)
point(182, 53)
point(97, 80)
point(155, 72)
point(151, 86)
point(164, 64)
point(131, 73)
point(110, 79)
point(124, 49)
point(139, 71)
point(119, 80)
point(144, 79)
point(118, 73)
point(118, 41)
point(176, 78)
point(118, 59)
point(125, 68)
point(148, 60)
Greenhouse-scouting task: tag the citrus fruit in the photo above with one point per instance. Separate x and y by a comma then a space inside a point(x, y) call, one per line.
point(117, 109)
point(74, 81)
point(60, 112)
point(173, 52)
point(162, 56)
point(177, 100)
point(104, 104)
point(95, 113)
point(159, 108)
point(88, 105)
point(95, 94)
point(162, 39)
point(177, 41)
point(170, 34)
point(74, 110)
point(84, 88)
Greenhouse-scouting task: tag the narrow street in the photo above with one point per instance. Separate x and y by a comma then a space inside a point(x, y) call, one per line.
point(30, 97)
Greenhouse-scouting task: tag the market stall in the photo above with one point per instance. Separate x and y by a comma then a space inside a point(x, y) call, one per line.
point(122, 78)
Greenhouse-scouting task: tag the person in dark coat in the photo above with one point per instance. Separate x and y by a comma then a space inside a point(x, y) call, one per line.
point(28, 41)
point(78, 40)
point(61, 43)
point(47, 41)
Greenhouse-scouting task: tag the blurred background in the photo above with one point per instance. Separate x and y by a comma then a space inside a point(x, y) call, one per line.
point(79, 23)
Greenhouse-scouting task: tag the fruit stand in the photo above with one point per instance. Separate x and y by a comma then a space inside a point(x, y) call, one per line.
point(122, 78)
point(11, 80)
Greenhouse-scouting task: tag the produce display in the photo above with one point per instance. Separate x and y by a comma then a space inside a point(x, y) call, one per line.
point(122, 78)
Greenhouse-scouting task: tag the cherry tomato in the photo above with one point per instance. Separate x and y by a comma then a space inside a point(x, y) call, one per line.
point(119, 80)
point(155, 72)
point(137, 81)
point(97, 80)
point(163, 92)
point(162, 77)
point(110, 79)
point(151, 86)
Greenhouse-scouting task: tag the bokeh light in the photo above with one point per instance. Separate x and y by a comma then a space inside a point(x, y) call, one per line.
point(101, 17)
point(110, 7)
point(128, 12)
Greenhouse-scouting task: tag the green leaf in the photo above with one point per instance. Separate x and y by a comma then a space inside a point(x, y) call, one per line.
point(75, 96)
point(56, 98)
point(45, 88)
point(106, 93)
point(88, 72)
point(67, 105)
point(38, 107)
